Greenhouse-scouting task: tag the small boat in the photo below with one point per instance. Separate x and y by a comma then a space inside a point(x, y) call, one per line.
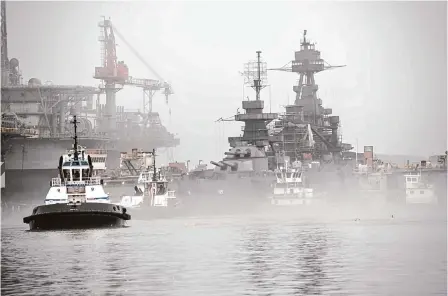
point(290, 190)
point(152, 197)
point(418, 191)
point(76, 199)
point(371, 187)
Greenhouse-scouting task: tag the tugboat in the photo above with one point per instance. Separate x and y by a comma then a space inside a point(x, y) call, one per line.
point(76, 199)
point(152, 197)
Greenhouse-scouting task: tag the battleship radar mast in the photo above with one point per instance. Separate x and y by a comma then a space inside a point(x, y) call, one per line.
point(307, 118)
point(255, 75)
point(255, 130)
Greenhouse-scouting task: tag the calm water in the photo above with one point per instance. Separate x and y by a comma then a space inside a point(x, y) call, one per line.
point(321, 254)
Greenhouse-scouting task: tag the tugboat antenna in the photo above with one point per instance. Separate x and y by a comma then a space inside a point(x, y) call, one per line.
point(75, 145)
point(154, 164)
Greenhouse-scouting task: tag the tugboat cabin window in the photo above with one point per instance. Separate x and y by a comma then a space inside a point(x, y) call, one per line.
point(411, 179)
point(85, 174)
point(66, 174)
point(161, 189)
point(76, 175)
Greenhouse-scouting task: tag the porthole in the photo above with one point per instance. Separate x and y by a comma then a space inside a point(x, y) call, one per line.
point(114, 208)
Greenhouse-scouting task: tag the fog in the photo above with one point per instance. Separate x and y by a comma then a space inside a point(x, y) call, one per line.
point(391, 95)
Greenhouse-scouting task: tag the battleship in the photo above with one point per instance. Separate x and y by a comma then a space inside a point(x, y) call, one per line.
point(35, 116)
point(307, 133)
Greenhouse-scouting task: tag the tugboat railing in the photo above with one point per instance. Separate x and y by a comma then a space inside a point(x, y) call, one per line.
point(57, 182)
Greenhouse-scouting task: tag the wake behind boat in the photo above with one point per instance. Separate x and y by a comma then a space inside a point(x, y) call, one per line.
point(76, 199)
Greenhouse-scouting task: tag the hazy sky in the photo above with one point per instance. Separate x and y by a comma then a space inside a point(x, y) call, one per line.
point(392, 94)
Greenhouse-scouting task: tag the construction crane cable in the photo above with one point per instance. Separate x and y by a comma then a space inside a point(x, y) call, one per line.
point(137, 54)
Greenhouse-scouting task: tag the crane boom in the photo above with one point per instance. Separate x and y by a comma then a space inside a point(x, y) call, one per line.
point(168, 90)
point(114, 72)
point(135, 52)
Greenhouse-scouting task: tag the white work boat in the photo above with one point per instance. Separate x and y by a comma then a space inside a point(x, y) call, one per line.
point(290, 190)
point(152, 197)
point(418, 191)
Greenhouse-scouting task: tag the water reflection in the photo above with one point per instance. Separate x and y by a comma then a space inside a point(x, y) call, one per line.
point(257, 244)
point(231, 257)
point(289, 259)
point(311, 251)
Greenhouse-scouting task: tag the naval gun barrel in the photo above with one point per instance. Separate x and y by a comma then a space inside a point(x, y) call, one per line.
point(231, 153)
point(219, 164)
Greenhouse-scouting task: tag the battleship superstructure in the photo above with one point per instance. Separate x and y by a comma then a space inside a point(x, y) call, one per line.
point(243, 173)
point(35, 115)
point(310, 131)
point(249, 152)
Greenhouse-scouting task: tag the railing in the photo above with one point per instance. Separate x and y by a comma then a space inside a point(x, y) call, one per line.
point(96, 151)
point(94, 135)
point(60, 87)
point(20, 131)
point(57, 182)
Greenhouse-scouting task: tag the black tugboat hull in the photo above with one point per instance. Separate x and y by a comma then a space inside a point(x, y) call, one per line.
point(77, 216)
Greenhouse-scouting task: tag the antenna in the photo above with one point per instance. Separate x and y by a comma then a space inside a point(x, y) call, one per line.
point(75, 145)
point(256, 74)
point(154, 164)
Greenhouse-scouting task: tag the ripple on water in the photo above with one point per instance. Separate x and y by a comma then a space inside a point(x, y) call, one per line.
point(230, 256)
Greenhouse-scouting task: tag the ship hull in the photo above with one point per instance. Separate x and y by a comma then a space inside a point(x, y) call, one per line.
point(27, 186)
point(231, 187)
point(77, 216)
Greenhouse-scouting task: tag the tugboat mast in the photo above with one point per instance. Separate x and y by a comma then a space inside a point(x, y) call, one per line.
point(75, 145)
point(154, 165)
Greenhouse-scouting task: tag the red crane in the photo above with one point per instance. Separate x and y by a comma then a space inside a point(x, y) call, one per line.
point(114, 73)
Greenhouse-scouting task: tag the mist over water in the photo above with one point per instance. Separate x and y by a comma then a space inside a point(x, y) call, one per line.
point(336, 249)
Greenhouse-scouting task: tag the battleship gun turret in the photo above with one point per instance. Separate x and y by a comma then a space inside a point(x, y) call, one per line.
point(233, 166)
point(239, 154)
point(224, 165)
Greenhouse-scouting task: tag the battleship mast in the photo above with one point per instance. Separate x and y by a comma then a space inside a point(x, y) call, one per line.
point(255, 131)
point(308, 130)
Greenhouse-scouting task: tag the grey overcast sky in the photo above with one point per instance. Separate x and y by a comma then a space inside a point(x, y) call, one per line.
point(392, 94)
